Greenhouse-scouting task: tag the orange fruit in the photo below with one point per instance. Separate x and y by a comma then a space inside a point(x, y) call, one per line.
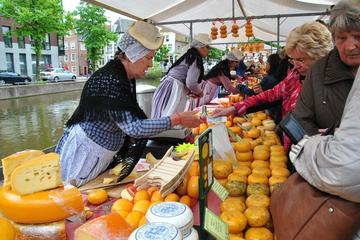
point(156, 196)
point(196, 131)
point(142, 221)
point(151, 190)
point(141, 195)
point(172, 197)
point(141, 206)
point(185, 200)
point(194, 169)
point(133, 219)
point(122, 204)
point(202, 128)
point(97, 196)
point(193, 187)
point(182, 188)
point(228, 124)
point(7, 231)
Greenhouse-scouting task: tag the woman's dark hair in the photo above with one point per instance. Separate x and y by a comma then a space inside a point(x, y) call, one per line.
point(283, 68)
point(190, 56)
point(221, 67)
point(274, 61)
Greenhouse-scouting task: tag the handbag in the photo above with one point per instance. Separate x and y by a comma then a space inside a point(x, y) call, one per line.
point(292, 128)
point(302, 212)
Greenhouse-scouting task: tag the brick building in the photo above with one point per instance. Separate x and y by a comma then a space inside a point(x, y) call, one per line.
point(75, 57)
point(16, 53)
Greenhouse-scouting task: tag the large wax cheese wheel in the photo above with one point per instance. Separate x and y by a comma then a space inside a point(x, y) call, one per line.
point(49, 231)
point(42, 207)
point(193, 235)
point(163, 231)
point(38, 174)
point(174, 213)
point(13, 161)
point(109, 227)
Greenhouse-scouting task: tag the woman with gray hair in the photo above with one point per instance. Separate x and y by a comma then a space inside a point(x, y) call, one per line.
point(108, 120)
point(329, 80)
point(218, 76)
point(182, 80)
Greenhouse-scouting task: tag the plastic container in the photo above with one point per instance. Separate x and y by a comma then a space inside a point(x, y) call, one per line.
point(193, 235)
point(156, 231)
point(174, 213)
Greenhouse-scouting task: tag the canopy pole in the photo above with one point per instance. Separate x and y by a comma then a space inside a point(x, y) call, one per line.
point(278, 30)
point(191, 32)
point(233, 8)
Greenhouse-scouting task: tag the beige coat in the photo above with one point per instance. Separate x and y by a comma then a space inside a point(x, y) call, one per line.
point(332, 163)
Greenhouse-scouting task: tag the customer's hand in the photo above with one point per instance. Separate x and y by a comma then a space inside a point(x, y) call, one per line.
point(223, 111)
point(186, 119)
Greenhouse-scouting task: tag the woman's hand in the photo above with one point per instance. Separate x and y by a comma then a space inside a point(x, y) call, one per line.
point(223, 111)
point(186, 119)
point(194, 95)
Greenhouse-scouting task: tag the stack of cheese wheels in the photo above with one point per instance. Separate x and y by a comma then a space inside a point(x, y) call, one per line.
point(32, 196)
point(157, 231)
point(174, 213)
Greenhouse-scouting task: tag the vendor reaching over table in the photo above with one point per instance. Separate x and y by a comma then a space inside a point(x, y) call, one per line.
point(182, 80)
point(108, 114)
point(217, 76)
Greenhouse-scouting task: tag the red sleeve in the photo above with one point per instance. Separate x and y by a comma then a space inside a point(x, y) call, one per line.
point(268, 96)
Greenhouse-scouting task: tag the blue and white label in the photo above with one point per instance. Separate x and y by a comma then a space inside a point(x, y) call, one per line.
point(157, 231)
point(168, 209)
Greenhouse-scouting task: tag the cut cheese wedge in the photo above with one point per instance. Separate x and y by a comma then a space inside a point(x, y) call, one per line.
point(109, 227)
point(48, 231)
point(13, 161)
point(42, 207)
point(38, 174)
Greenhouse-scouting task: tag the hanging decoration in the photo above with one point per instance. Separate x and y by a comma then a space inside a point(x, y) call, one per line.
point(249, 29)
point(235, 29)
point(223, 30)
point(213, 31)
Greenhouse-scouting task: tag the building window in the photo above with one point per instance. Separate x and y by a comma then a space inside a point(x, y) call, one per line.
point(73, 56)
point(167, 38)
point(21, 42)
point(73, 69)
point(45, 62)
point(47, 42)
point(7, 36)
point(82, 47)
point(169, 46)
point(23, 66)
point(66, 43)
point(60, 40)
point(72, 45)
point(10, 62)
point(66, 58)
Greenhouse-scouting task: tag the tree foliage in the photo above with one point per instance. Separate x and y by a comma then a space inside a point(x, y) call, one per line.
point(215, 53)
point(36, 18)
point(162, 54)
point(92, 27)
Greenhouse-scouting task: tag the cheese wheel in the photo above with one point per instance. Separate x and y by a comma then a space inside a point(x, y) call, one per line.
point(48, 231)
point(38, 174)
point(41, 207)
point(13, 161)
point(109, 227)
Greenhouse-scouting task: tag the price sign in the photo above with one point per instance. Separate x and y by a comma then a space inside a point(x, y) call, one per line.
point(215, 226)
point(219, 190)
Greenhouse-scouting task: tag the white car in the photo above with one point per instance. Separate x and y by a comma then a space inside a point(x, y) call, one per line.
point(57, 74)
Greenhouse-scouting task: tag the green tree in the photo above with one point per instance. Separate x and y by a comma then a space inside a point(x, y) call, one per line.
point(92, 27)
point(215, 53)
point(162, 54)
point(36, 18)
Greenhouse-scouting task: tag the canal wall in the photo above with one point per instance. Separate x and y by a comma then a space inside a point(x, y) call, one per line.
point(8, 92)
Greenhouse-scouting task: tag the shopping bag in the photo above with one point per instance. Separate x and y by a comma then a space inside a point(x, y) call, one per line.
point(221, 144)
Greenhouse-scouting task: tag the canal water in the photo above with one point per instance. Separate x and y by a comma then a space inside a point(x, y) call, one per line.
point(34, 122)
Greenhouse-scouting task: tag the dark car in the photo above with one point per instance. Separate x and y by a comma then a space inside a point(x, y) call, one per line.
point(7, 77)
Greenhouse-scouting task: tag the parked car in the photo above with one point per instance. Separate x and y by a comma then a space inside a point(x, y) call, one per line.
point(8, 77)
point(57, 74)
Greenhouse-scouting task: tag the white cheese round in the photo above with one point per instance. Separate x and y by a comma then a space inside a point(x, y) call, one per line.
point(193, 235)
point(174, 213)
point(156, 231)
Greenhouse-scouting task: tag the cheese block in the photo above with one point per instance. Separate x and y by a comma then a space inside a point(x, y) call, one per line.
point(42, 207)
point(49, 231)
point(109, 227)
point(13, 161)
point(38, 174)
